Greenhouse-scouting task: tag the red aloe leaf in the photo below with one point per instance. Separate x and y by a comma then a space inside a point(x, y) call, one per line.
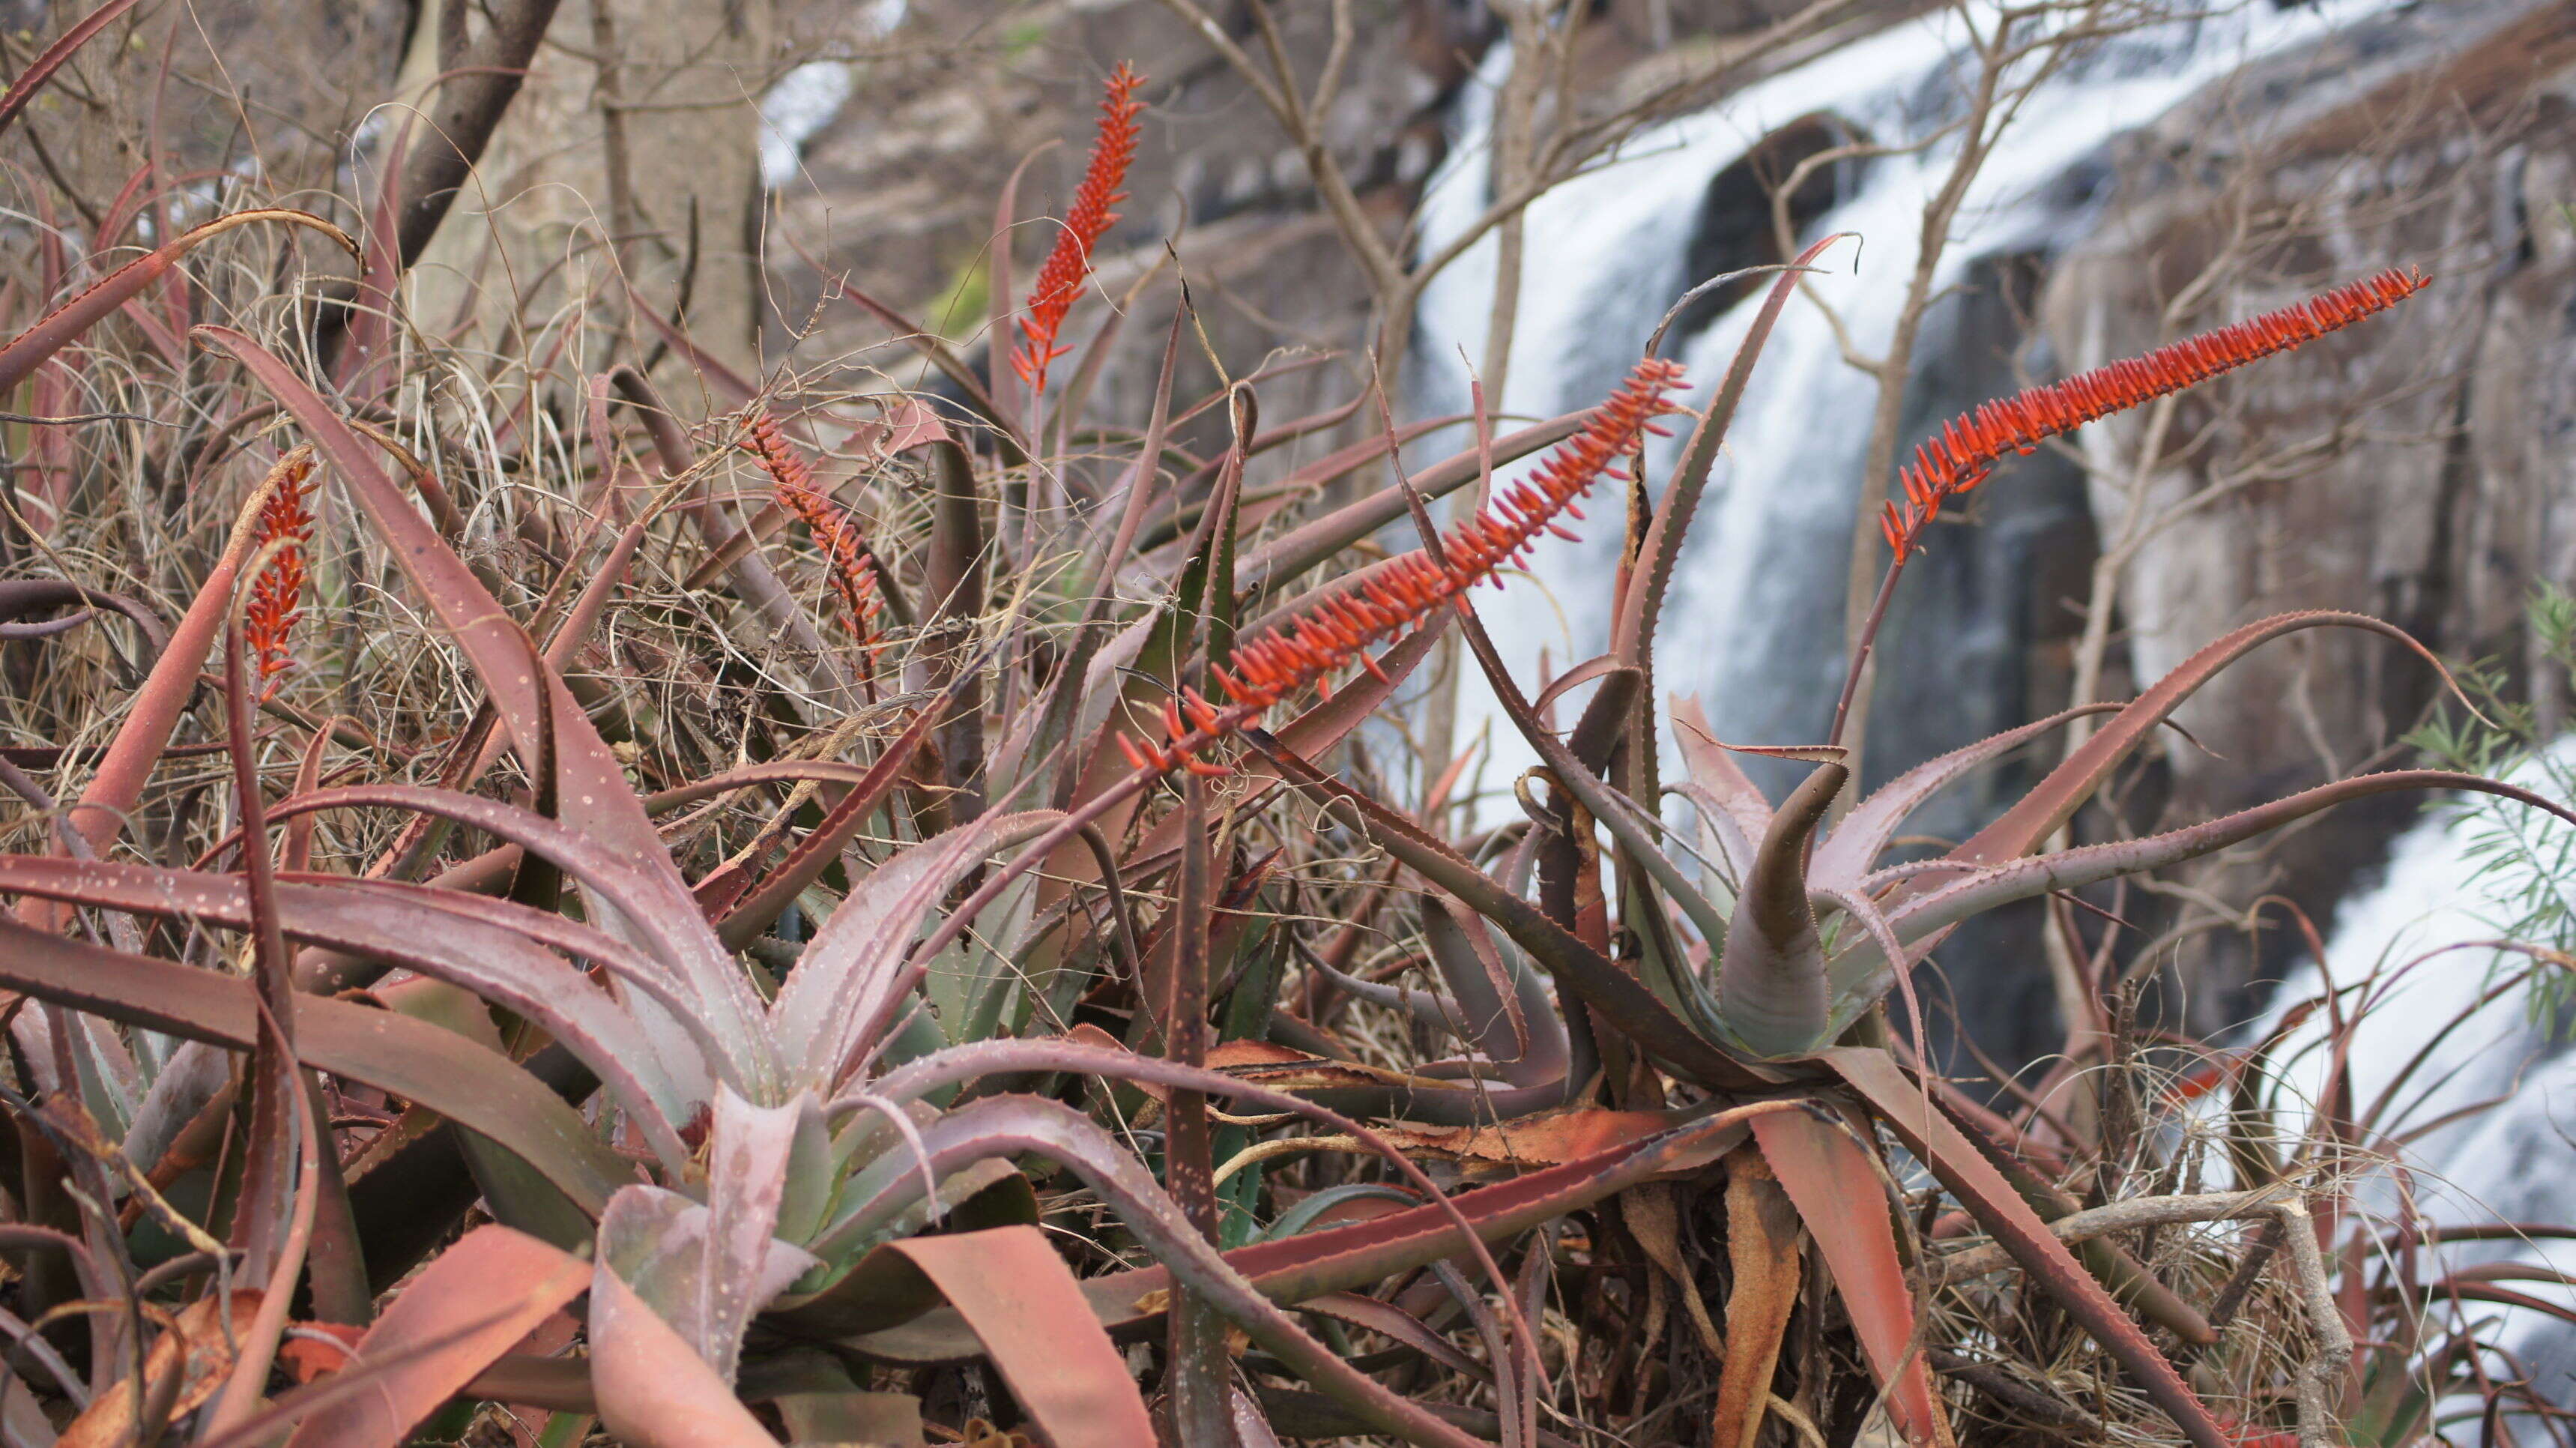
point(2054, 800)
point(704, 1269)
point(56, 329)
point(412, 1059)
point(40, 70)
point(1734, 813)
point(822, 845)
point(2002, 1212)
point(468, 1307)
point(117, 784)
point(844, 982)
point(1030, 1313)
point(190, 1358)
point(1836, 1190)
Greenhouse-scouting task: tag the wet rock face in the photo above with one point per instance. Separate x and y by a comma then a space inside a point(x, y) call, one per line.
point(2414, 469)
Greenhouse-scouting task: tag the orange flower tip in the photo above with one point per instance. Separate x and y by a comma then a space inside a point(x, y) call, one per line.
point(1323, 688)
point(1204, 769)
point(1134, 755)
point(1172, 724)
point(1375, 672)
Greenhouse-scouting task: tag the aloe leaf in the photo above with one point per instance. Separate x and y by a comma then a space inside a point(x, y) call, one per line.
point(1010, 1125)
point(533, 703)
point(2001, 1211)
point(1632, 638)
point(848, 979)
point(1771, 988)
point(1765, 1257)
point(56, 329)
point(704, 1270)
point(822, 845)
point(1300, 1268)
point(413, 1060)
point(55, 56)
point(1733, 813)
point(2055, 799)
point(498, 951)
point(467, 1308)
point(1936, 907)
point(1846, 855)
point(117, 784)
point(1498, 1001)
point(1838, 1195)
point(1612, 991)
point(1031, 1315)
point(651, 1387)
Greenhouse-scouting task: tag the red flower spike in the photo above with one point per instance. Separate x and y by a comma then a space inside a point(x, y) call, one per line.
point(277, 595)
point(1399, 594)
point(844, 547)
point(1963, 454)
point(1068, 264)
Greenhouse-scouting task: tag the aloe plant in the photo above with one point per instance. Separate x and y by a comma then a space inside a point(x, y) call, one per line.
point(749, 902)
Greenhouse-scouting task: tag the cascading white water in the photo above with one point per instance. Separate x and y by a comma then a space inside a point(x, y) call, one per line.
point(1754, 623)
point(2480, 1090)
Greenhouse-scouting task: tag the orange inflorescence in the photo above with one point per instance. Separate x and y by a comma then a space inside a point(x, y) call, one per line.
point(1068, 264)
point(1404, 591)
point(277, 595)
point(845, 549)
point(1960, 457)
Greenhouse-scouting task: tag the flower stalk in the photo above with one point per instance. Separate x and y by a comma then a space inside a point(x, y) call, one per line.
point(1068, 263)
point(1959, 457)
point(1306, 653)
point(845, 548)
point(277, 595)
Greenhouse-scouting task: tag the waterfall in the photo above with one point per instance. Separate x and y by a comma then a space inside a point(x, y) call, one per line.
point(1754, 622)
point(2488, 1117)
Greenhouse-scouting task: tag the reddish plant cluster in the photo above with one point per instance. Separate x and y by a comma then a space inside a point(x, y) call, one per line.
point(1068, 264)
point(1959, 458)
point(277, 595)
point(1305, 654)
point(845, 549)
